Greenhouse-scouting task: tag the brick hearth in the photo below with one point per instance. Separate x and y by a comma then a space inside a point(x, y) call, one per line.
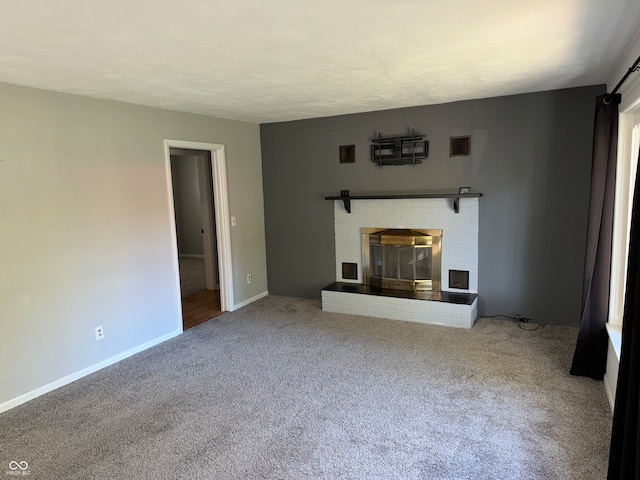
point(459, 252)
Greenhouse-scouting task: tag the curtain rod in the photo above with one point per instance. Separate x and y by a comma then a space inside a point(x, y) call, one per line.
point(634, 68)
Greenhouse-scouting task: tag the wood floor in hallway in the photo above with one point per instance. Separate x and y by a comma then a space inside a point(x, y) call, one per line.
point(200, 307)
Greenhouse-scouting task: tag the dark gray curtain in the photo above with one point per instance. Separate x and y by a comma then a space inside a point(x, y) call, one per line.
point(624, 456)
point(590, 356)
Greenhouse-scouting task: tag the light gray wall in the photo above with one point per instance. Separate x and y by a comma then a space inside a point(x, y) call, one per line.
point(531, 157)
point(186, 198)
point(86, 235)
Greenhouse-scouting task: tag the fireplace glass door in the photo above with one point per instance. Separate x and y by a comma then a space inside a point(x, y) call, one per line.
point(403, 259)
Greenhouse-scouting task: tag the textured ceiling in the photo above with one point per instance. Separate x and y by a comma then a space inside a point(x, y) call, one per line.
point(276, 60)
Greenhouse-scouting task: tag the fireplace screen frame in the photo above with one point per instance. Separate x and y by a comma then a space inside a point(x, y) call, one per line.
point(436, 261)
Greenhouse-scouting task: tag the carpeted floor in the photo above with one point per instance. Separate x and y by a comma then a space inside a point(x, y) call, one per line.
point(192, 276)
point(280, 389)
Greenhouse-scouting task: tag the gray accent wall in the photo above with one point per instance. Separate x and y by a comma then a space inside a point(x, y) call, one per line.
point(531, 157)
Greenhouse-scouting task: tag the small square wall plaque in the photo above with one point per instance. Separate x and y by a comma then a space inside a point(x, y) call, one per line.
point(347, 154)
point(460, 146)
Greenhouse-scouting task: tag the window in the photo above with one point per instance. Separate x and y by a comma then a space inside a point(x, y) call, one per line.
point(628, 150)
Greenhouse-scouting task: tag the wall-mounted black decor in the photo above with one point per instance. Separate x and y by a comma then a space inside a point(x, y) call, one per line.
point(347, 154)
point(460, 146)
point(408, 149)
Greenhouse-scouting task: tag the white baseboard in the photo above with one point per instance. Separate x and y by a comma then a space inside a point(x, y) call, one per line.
point(609, 392)
point(250, 300)
point(9, 404)
point(189, 255)
point(610, 380)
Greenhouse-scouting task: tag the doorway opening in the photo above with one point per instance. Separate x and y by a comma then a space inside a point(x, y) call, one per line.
point(197, 180)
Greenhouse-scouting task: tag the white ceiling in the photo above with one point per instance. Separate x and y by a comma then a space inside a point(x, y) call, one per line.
point(276, 60)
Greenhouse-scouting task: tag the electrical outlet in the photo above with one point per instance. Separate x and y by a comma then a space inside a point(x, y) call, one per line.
point(99, 333)
point(249, 278)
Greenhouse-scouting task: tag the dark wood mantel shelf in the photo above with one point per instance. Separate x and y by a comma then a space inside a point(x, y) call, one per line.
point(346, 197)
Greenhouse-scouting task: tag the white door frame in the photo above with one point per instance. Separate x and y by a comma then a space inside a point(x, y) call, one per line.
point(221, 207)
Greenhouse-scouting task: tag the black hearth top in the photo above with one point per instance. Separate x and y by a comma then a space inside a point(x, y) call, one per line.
point(346, 197)
point(438, 296)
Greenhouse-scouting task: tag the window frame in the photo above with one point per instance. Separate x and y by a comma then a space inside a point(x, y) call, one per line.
point(627, 164)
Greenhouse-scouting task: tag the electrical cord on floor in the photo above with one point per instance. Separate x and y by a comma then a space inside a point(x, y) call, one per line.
point(520, 320)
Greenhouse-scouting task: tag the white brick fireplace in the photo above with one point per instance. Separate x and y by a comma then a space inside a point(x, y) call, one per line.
point(459, 252)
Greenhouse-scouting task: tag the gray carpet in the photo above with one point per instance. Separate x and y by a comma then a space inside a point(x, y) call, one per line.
point(192, 276)
point(280, 389)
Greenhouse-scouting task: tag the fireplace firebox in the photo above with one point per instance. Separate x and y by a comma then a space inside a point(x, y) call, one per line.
point(402, 259)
